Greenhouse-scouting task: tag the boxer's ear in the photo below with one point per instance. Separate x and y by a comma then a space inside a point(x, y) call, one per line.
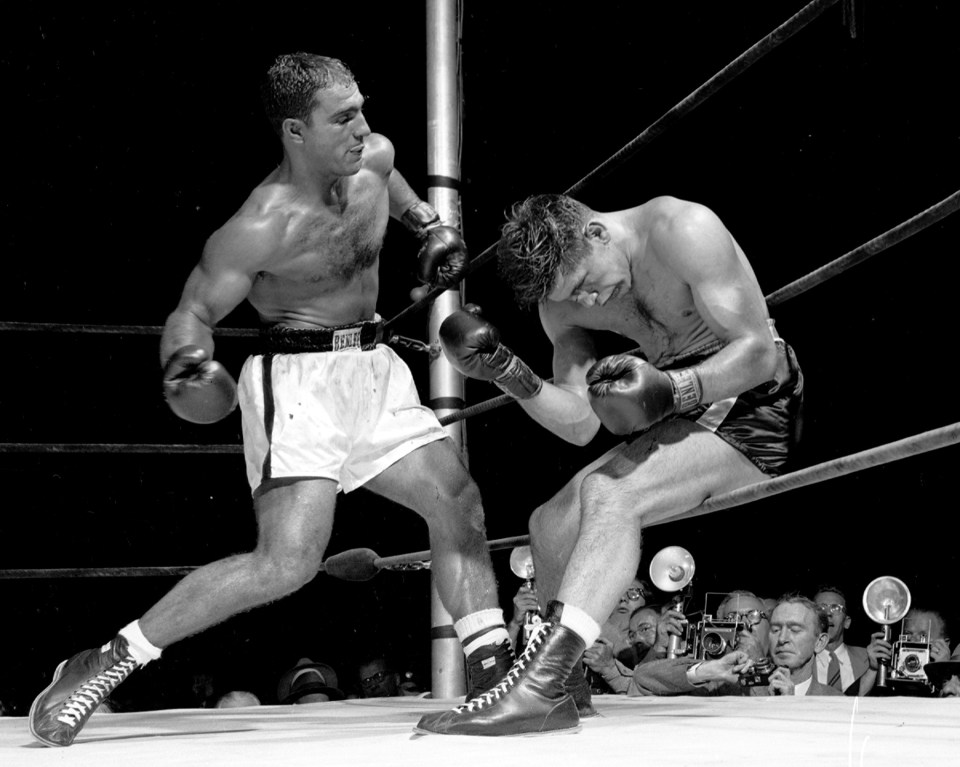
point(596, 230)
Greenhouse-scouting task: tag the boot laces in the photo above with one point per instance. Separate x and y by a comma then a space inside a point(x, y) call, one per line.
point(92, 692)
point(496, 692)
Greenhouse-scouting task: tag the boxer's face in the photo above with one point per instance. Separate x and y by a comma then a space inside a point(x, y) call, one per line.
point(602, 275)
point(335, 133)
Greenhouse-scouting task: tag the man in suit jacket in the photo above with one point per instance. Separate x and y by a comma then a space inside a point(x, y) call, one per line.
point(797, 631)
point(838, 664)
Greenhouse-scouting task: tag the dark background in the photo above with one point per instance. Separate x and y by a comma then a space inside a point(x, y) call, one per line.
point(131, 135)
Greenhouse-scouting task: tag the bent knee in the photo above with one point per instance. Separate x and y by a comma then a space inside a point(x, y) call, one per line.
point(281, 574)
point(603, 494)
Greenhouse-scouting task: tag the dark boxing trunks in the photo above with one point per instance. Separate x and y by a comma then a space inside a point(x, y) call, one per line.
point(762, 423)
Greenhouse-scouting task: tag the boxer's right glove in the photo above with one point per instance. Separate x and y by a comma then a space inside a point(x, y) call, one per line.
point(473, 347)
point(197, 388)
point(629, 394)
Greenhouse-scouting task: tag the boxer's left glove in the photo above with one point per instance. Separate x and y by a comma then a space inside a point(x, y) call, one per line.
point(473, 347)
point(443, 255)
point(629, 394)
point(197, 388)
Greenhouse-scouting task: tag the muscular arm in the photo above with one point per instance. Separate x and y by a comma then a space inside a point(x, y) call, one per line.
point(696, 246)
point(219, 282)
point(562, 407)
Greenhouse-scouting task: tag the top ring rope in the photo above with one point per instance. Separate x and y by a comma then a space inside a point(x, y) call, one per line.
point(740, 64)
point(856, 256)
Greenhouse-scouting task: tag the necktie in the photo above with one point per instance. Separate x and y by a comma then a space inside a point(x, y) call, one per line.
point(833, 671)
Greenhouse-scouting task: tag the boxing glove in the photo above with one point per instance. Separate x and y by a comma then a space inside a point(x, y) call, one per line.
point(473, 347)
point(629, 394)
point(443, 255)
point(197, 388)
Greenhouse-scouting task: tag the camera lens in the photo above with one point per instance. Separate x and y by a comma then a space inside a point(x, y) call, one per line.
point(911, 664)
point(713, 643)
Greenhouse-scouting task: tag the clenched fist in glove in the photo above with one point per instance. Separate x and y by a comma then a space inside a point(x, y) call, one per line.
point(629, 394)
point(197, 388)
point(473, 347)
point(443, 256)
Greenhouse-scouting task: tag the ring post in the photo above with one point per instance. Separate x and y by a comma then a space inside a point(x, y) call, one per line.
point(448, 675)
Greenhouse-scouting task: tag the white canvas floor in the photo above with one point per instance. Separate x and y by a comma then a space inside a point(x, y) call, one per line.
point(819, 732)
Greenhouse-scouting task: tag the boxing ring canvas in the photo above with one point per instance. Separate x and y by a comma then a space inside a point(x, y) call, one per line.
point(680, 730)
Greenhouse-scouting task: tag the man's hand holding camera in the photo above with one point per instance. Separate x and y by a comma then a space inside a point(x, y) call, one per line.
point(879, 650)
point(780, 682)
point(727, 668)
point(939, 650)
point(599, 657)
point(524, 601)
point(671, 624)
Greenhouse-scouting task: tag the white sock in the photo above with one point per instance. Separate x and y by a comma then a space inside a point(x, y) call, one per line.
point(141, 648)
point(481, 628)
point(580, 623)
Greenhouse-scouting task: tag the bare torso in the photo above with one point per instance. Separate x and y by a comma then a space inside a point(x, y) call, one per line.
point(658, 313)
point(324, 267)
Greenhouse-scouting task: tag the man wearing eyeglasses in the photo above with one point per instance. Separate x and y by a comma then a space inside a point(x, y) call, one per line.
point(791, 636)
point(838, 664)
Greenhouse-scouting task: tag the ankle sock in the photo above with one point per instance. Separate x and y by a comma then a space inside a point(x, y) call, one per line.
point(141, 648)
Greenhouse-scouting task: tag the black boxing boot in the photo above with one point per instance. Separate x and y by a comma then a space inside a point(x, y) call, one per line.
point(79, 685)
point(531, 698)
point(579, 689)
point(486, 666)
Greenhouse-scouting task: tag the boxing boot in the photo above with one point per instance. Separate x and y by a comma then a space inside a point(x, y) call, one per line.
point(79, 685)
point(579, 689)
point(486, 666)
point(531, 698)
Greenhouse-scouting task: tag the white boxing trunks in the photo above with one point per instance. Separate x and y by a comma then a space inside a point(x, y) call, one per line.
point(344, 415)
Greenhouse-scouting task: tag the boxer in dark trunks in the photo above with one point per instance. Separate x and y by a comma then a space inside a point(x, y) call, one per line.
point(712, 404)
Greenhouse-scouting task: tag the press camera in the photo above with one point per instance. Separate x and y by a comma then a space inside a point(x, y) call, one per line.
point(711, 638)
point(908, 661)
point(758, 674)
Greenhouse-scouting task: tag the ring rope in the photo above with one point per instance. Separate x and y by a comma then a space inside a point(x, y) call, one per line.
point(746, 59)
point(837, 467)
point(753, 54)
point(400, 562)
point(891, 237)
point(82, 448)
point(856, 256)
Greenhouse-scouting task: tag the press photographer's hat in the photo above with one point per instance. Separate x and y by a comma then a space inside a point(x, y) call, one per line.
point(939, 672)
point(307, 678)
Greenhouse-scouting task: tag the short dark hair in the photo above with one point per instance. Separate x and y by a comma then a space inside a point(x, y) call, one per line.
point(832, 589)
point(542, 239)
point(291, 84)
point(822, 621)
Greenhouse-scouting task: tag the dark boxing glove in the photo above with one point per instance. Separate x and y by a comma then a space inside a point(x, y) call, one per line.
point(629, 395)
point(197, 388)
point(443, 256)
point(473, 347)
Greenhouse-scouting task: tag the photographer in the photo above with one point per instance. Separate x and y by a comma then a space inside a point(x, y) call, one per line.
point(650, 633)
point(919, 625)
point(839, 664)
point(944, 676)
point(792, 635)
